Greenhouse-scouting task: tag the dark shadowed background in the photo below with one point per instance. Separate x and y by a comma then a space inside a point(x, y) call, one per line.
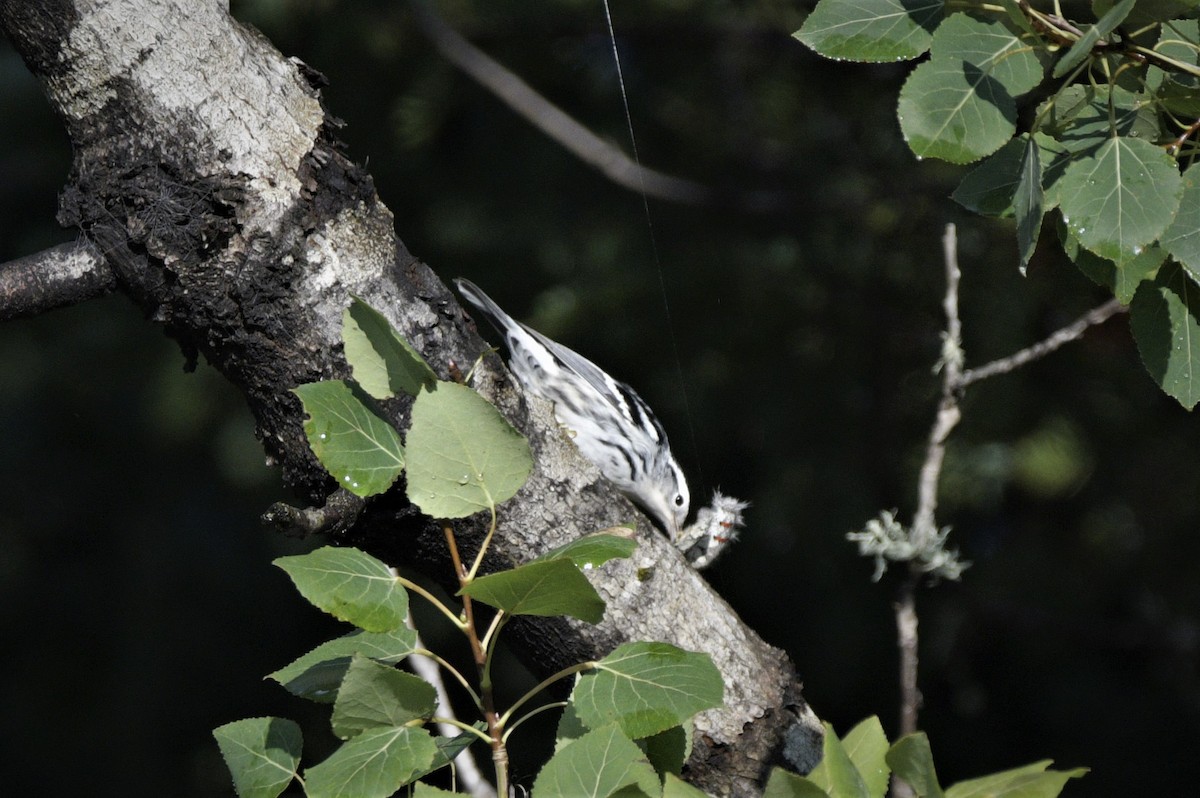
point(788, 351)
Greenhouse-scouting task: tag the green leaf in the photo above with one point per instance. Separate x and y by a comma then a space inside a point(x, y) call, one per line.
point(423, 790)
point(553, 587)
point(871, 30)
point(1016, 16)
point(383, 362)
point(1165, 317)
point(954, 111)
point(668, 750)
point(867, 746)
point(598, 764)
point(1027, 203)
point(1030, 781)
point(463, 456)
point(375, 695)
point(958, 106)
point(988, 188)
point(1176, 91)
point(911, 760)
point(1150, 12)
point(648, 688)
point(1182, 237)
point(570, 727)
point(1082, 48)
point(317, 675)
point(836, 774)
point(675, 787)
point(1122, 280)
point(350, 585)
point(375, 764)
point(1084, 118)
point(1055, 159)
point(595, 549)
point(782, 784)
point(361, 450)
point(991, 47)
point(1119, 201)
point(261, 754)
point(450, 747)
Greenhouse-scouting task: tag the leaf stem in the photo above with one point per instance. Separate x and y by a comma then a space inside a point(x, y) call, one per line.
point(458, 677)
point(461, 725)
point(489, 637)
point(528, 715)
point(458, 622)
point(549, 680)
point(487, 541)
point(1160, 60)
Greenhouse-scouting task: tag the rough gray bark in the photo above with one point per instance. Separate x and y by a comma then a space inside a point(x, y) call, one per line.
point(207, 177)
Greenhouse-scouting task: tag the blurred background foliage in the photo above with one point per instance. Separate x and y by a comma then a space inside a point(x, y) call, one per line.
point(788, 351)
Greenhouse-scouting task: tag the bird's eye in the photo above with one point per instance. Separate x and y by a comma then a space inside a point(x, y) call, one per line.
point(678, 499)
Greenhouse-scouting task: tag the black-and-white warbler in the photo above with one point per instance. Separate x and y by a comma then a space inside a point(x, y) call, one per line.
point(610, 424)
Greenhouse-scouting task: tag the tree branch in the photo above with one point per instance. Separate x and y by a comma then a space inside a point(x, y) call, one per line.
point(206, 171)
point(1073, 331)
point(518, 95)
point(923, 545)
point(924, 528)
point(338, 514)
point(63, 275)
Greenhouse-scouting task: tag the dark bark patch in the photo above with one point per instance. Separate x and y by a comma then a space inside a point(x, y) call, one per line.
point(37, 28)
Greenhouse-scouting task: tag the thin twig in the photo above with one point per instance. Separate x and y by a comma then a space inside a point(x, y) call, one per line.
point(550, 119)
point(1073, 331)
point(924, 528)
point(906, 632)
point(948, 416)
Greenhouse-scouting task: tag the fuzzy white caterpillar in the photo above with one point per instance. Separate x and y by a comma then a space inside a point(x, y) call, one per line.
point(716, 526)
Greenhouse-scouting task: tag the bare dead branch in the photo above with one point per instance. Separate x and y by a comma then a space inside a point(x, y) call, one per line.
point(550, 119)
point(1074, 330)
point(948, 416)
point(339, 512)
point(64, 275)
point(924, 528)
point(924, 534)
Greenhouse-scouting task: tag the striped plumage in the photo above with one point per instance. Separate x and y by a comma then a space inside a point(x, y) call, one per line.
point(610, 424)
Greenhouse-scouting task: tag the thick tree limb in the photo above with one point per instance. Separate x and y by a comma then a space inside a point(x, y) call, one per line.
point(64, 275)
point(205, 172)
